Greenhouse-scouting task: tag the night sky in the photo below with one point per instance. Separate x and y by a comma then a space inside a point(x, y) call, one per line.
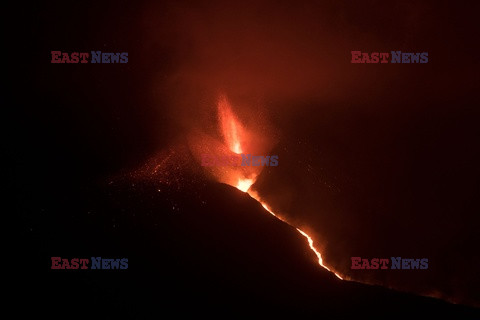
point(376, 160)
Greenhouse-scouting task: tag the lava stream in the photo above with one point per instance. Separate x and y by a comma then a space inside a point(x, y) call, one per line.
point(244, 185)
point(234, 134)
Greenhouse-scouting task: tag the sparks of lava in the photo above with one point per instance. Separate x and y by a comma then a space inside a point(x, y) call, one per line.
point(230, 127)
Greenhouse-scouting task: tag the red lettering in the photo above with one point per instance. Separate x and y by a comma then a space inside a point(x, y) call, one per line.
point(84, 262)
point(65, 57)
point(365, 58)
point(74, 263)
point(356, 56)
point(75, 57)
point(66, 264)
point(84, 56)
point(384, 57)
point(355, 263)
point(55, 261)
point(365, 264)
point(55, 55)
point(383, 262)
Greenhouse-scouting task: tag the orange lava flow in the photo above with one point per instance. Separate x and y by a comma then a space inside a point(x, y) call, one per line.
point(244, 182)
point(319, 255)
point(235, 136)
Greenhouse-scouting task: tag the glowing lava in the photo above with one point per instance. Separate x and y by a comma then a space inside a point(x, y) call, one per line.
point(255, 196)
point(319, 255)
point(234, 135)
point(244, 184)
point(230, 127)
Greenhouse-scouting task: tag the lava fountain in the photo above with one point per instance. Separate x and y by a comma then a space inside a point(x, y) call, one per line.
point(234, 135)
point(244, 184)
point(231, 128)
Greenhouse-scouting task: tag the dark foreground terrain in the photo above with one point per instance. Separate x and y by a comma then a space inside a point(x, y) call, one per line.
point(207, 249)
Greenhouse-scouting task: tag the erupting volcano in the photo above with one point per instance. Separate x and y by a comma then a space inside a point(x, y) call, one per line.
point(243, 161)
point(236, 139)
